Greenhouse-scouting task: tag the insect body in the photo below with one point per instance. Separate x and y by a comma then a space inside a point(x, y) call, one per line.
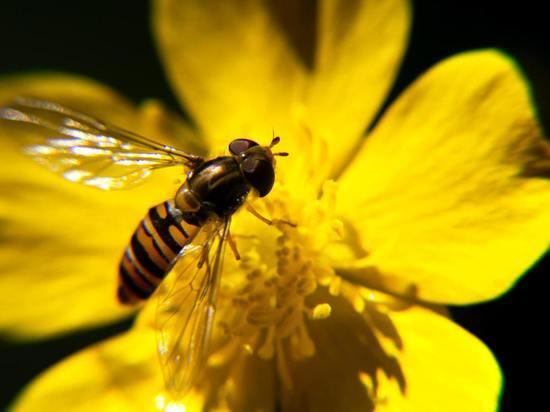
point(176, 252)
point(158, 239)
point(214, 189)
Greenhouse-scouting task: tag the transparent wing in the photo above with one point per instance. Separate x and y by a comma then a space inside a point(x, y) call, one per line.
point(88, 151)
point(186, 306)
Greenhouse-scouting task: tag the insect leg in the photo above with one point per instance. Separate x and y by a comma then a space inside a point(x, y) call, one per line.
point(258, 215)
point(233, 246)
point(265, 219)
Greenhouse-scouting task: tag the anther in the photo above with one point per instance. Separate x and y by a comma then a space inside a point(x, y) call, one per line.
point(254, 274)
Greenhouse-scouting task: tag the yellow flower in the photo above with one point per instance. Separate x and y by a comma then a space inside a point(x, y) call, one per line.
point(443, 203)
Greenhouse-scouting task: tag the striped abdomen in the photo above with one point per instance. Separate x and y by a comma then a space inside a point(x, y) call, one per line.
point(155, 243)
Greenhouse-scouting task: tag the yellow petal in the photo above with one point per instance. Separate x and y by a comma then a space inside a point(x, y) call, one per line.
point(121, 374)
point(91, 97)
point(61, 242)
point(412, 359)
point(230, 65)
point(407, 360)
point(360, 47)
point(160, 124)
point(445, 367)
point(443, 194)
point(73, 91)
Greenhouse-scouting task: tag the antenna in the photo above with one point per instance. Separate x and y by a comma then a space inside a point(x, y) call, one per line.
point(275, 140)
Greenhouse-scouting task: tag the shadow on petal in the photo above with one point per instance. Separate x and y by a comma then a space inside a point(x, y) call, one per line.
point(537, 163)
point(246, 384)
point(297, 21)
point(351, 350)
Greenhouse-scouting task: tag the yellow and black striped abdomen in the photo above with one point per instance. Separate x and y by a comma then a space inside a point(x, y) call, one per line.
point(156, 242)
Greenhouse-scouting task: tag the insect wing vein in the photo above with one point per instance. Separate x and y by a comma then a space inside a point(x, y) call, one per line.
point(85, 150)
point(186, 306)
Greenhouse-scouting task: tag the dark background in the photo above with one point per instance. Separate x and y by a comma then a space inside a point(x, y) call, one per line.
point(111, 42)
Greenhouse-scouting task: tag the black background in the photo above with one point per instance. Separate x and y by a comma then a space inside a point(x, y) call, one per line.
point(111, 42)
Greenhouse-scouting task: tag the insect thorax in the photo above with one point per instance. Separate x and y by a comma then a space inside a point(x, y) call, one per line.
point(216, 186)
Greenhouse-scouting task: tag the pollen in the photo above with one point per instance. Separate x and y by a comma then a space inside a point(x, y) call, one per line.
point(321, 311)
point(269, 308)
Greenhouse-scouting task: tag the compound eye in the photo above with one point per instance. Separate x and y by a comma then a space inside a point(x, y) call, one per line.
point(239, 146)
point(260, 174)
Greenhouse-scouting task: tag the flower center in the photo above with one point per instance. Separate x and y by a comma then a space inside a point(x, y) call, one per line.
point(265, 311)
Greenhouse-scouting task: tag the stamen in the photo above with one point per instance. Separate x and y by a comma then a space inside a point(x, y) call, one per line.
point(290, 322)
point(223, 355)
point(268, 309)
point(306, 285)
point(335, 286)
point(260, 315)
point(282, 366)
point(268, 348)
point(254, 274)
point(304, 347)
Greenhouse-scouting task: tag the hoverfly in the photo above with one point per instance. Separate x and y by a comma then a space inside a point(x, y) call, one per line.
point(180, 243)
